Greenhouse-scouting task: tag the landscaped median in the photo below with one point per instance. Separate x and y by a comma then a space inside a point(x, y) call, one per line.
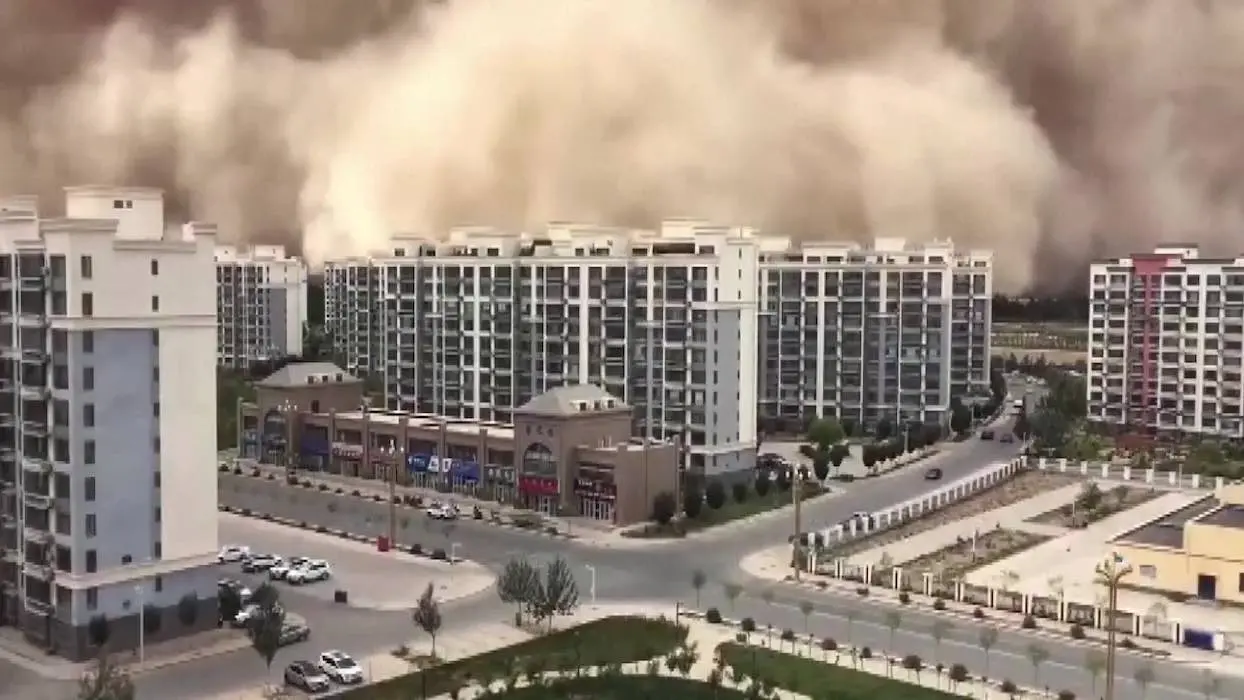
point(605, 642)
point(718, 506)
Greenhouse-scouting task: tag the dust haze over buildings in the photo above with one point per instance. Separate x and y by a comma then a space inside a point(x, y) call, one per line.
point(1050, 131)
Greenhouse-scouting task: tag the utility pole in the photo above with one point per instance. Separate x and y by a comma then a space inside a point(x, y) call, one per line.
point(1110, 572)
point(395, 458)
point(796, 488)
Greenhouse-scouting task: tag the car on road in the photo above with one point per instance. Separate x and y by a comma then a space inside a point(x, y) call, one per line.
point(236, 587)
point(304, 675)
point(1007, 438)
point(338, 666)
point(231, 553)
point(293, 632)
point(279, 572)
point(310, 572)
point(442, 511)
point(933, 474)
point(258, 563)
point(986, 434)
point(247, 614)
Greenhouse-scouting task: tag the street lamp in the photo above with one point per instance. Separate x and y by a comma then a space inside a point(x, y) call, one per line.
point(395, 455)
point(591, 586)
point(1109, 572)
point(453, 552)
point(287, 410)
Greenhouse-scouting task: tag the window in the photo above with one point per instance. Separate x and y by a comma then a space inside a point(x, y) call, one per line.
point(90, 525)
point(159, 584)
point(155, 445)
point(1242, 583)
point(88, 415)
point(155, 409)
point(85, 261)
point(155, 302)
point(88, 488)
point(88, 378)
point(157, 551)
point(155, 374)
point(88, 342)
point(1150, 571)
point(156, 479)
point(88, 452)
point(155, 337)
point(92, 561)
point(158, 513)
point(88, 304)
point(155, 267)
point(92, 598)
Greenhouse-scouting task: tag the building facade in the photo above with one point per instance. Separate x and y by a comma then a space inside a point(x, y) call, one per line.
point(706, 332)
point(1166, 343)
point(261, 304)
point(107, 420)
point(569, 451)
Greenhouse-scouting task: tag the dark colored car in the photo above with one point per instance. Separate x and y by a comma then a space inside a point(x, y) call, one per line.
point(933, 474)
point(986, 434)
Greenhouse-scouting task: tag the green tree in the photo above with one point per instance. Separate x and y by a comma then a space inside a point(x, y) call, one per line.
point(986, 640)
point(664, 506)
point(105, 680)
point(715, 495)
point(884, 430)
point(1094, 665)
point(762, 483)
point(960, 419)
point(692, 502)
point(838, 454)
point(556, 594)
point(807, 608)
point(427, 615)
point(266, 624)
point(518, 585)
point(820, 465)
point(939, 630)
point(824, 433)
point(1143, 676)
point(893, 620)
point(732, 592)
point(1037, 656)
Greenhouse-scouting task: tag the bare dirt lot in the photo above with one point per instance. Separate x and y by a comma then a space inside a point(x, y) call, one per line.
point(951, 563)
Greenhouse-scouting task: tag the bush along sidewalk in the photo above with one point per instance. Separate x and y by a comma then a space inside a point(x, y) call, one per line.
point(528, 521)
point(416, 550)
point(1015, 620)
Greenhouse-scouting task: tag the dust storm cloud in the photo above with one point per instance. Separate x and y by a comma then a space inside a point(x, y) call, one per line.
point(1050, 131)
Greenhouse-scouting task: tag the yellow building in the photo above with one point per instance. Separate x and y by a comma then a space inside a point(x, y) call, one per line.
point(1197, 551)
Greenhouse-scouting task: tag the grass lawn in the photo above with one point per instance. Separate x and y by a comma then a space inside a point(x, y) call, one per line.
point(819, 679)
point(730, 510)
point(611, 640)
point(623, 687)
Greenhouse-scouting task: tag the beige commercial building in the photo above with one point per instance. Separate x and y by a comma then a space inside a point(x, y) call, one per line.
point(1197, 551)
point(569, 451)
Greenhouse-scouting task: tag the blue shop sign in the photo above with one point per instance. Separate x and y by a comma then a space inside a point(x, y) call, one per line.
point(314, 446)
point(465, 471)
point(417, 463)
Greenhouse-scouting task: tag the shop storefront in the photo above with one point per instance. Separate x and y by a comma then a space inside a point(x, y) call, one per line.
point(314, 453)
point(499, 483)
point(539, 493)
point(347, 459)
point(250, 448)
point(597, 498)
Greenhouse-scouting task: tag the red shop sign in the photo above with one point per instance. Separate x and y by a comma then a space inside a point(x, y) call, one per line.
point(539, 486)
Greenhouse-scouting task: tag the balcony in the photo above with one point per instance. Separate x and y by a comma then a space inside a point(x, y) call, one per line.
point(43, 572)
point(37, 535)
point(33, 320)
point(34, 356)
point(35, 606)
point(35, 392)
point(33, 282)
point(35, 428)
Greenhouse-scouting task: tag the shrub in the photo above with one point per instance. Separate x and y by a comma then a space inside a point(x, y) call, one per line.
point(788, 635)
point(713, 616)
point(551, 530)
point(356, 493)
point(1077, 631)
point(1030, 622)
point(829, 645)
point(862, 590)
point(715, 495)
point(477, 514)
point(822, 585)
point(237, 471)
point(291, 480)
point(739, 490)
point(904, 597)
point(911, 662)
point(1127, 643)
point(224, 468)
point(255, 472)
point(978, 613)
point(1066, 695)
point(439, 554)
point(416, 548)
point(321, 529)
point(376, 497)
point(866, 653)
point(303, 524)
point(306, 483)
point(939, 604)
point(741, 638)
point(958, 673)
point(748, 625)
point(1008, 686)
point(339, 490)
point(322, 487)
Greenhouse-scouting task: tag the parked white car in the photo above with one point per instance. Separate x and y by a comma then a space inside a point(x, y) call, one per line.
point(316, 570)
point(280, 571)
point(232, 553)
point(246, 615)
point(338, 666)
point(442, 511)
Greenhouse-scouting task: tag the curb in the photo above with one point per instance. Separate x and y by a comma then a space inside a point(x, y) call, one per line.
point(384, 500)
point(415, 550)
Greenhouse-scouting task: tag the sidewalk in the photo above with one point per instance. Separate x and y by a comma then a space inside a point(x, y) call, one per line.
point(15, 650)
point(1010, 517)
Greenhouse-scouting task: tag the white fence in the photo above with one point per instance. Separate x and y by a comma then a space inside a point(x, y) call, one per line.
point(1114, 472)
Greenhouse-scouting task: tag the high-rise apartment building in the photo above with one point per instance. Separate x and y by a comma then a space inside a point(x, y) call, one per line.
point(703, 330)
point(261, 304)
point(890, 332)
point(1166, 342)
point(107, 419)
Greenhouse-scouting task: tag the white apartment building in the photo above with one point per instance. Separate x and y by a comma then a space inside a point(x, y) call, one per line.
point(261, 304)
point(891, 332)
point(107, 419)
point(1166, 342)
point(701, 329)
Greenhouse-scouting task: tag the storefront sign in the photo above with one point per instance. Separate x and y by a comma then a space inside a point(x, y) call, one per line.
point(502, 476)
point(342, 449)
point(595, 488)
point(314, 446)
point(538, 485)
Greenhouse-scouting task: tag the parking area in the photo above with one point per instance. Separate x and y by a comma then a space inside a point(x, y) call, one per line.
point(372, 580)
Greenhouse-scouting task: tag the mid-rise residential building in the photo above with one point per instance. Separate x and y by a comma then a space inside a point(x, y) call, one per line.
point(107, 420)
point(1166, 343)
point(261, 304)
point(704, 331)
